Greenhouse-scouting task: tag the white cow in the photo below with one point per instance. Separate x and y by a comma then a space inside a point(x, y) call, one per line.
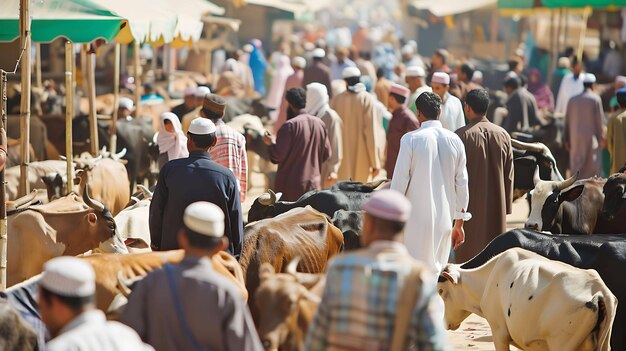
point(133, 223)
point(531, 302)
point(36, 170)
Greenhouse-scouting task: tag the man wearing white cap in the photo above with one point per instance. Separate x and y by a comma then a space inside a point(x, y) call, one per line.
point(199, 95)
point(293, 81)
point(189, 103)
point(66, 302)
point(361, 132)
point(404, 290)
point(452, 117)
point(318, 72)
point(402, 122)
point(340, 63)
point(125, 108)
point(571, 85)
point(190, 306)
point(415, 77)
point(431, 172)
point(584, 132)
point(620, 83)
point(195, 178)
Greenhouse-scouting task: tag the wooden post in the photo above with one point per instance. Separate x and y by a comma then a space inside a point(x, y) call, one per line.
point(3, 209)
point(69, 113)
point(137, 78)
point(38, 65)
point(90, 76)
point(583, 34)
point(116, 99)
point(553, 55)
point(25, 102)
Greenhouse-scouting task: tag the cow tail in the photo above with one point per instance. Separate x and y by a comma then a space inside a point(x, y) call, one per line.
point(605, 307)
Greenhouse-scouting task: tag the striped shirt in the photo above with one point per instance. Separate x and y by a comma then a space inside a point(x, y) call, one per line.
point(359, 303)
point(230, 152)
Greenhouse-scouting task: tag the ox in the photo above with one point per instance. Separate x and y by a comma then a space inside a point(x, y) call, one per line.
point(342, 196)
point(133, 222)
point(569, 308)
point(36, 171)
point(615, 197)
point(350, 224)
point(66, 226)
point(286, 306)
point(302, 232)
point(527, 157)
point(602, 253)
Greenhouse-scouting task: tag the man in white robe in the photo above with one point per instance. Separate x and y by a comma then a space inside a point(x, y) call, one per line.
point(571, 85)
point(452, 116)
point(431, 173)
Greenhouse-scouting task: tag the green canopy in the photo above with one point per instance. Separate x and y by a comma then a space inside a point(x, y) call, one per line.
point(516, 4)
point(529, 4)
point(80, 21)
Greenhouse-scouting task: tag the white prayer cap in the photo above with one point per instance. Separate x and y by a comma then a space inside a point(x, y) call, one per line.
point(620, 80)
point(126, 103)
point(202, 91)
point(204, 218)
point(477, 77)
point(415, 71)
point(441, 78)
point(351, 72)
point(68, 276)
point(299, 62)
point(308, 46)
point(190, 91)
point(318, 53)
point(202, 126)
point(407, 50)
point(563, 62)
point(248, 48)
point(388, 204)
point(589, 78)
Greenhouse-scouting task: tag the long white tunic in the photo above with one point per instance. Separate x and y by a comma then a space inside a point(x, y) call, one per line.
point(431, 173)
point(569, 88)
point(452, 116)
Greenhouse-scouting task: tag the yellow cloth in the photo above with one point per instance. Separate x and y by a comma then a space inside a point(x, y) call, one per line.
point(188, 118)
point(616, 140)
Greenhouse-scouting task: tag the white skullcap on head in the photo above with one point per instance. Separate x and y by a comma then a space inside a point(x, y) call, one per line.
point(68, 276)
point(350, 72)
point(478, 76)
point(441, 78)
point(564, 62)
point(126, 103)
point(204, 218)
point(388, 204)
point(190, 91)
point(318, 53)
point(415, 71)
point(620, 80)
point(202, 91)
point(299, 62)
point(202, 126)
point(407, 49)
point(589, 78)
point(248, 48)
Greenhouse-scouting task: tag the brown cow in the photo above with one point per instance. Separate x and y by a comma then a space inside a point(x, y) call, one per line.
point(302, 232)
point(286, 306)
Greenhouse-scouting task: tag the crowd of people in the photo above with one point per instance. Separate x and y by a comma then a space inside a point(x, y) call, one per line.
point(335, 117)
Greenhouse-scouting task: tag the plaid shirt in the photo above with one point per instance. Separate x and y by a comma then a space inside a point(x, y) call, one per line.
point(358, 306)
point(230, 152)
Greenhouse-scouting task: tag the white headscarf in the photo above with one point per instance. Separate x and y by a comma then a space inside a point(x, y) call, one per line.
point(175, 144)
point(316, 99)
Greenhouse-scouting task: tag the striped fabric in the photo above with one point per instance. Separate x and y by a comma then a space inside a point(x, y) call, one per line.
point(358, 307)
point(230, 152)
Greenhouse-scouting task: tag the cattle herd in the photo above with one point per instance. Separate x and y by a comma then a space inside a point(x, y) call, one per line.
point(552, 274)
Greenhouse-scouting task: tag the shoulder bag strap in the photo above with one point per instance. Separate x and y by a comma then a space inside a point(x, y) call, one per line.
point(171, 279)
point(406, 307)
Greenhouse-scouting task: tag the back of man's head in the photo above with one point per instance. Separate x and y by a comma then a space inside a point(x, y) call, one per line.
point(468, 70)
point(296, 97)
point(512, 83)
point(429, 104)
point(621, 97)
point(443, 54)
point(478, 101)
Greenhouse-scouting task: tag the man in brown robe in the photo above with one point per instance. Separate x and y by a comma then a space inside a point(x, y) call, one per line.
point(318, 72)
point(299, 149)
point(490, 172)
point(402, 122)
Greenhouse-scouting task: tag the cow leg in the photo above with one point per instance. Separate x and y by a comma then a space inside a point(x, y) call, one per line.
point(501, 339)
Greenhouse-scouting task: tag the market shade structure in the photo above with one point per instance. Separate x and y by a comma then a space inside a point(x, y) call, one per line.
point(80, 21)
point(530, 4)
point(451, 7)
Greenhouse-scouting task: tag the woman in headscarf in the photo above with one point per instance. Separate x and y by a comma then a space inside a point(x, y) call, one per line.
point(258, 65)
point(277, 90)
point(541, 91)
point(317, 105)
point(171, 140)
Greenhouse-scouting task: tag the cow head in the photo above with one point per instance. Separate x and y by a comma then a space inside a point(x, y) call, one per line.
point(55, 185)
point(101, 223)
point(284, 302)
point(263, 206)
point(547, 197)
point(527, 158)
point(614, 195)
point(450, 289)
point(350, 224)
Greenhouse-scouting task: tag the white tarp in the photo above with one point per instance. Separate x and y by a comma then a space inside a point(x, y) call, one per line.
point(441, 8)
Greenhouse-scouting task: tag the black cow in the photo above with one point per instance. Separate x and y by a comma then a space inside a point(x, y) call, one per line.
point(615, 197)
point(526, 158)
point(342, 196)
point(551, 135)
point(350, 223)
point(604, 253)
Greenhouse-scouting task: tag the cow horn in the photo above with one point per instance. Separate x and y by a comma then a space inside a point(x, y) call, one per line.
point(272, 196)
point(264, 199)
point(118, 156)
point(293, 265)
point(534, 147)
point(536, 177)
point(146, 192)
point(568, 182)
point(376, 184)
point(125, 285)
point(89, 201)
point(104, 152)
point(306, 279)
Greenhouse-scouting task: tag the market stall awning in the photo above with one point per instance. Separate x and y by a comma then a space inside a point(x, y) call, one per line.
point(146, 22)
point(297, 7)
point(189, 15)
point(584, 3)
point(80, 21)
point(451, 7)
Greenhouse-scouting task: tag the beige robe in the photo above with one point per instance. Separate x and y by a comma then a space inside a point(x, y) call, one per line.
point(334, 127)
point(360, 135)
point(188, 118)
point(490, 171)
point(616, 140)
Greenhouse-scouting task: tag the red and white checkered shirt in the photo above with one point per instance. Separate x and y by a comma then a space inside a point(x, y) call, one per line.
point(230, 152)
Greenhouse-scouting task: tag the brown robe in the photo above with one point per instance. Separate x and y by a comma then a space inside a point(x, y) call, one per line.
point(490, 172)
point(402, 122)
point(318, 72)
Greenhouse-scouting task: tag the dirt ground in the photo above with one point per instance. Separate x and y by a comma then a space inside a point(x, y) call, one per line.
point(474, 333)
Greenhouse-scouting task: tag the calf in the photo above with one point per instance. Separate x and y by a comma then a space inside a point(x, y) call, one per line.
point(569, 308)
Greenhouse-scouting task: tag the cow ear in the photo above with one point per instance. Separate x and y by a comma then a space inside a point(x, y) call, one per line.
point(278, 196)
point(623, 187)
point(449, 276)
point(572, 193)
point(266, 270)
point(92, 218)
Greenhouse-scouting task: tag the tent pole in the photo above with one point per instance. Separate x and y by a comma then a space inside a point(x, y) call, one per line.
point(116, 98)
point(3, 209)
point(137, 78)
point(553, 55)
point(25, 96)
point(91, 90)
point(38, 65)
point(583, 34)
point(69, 113)
point(558, 32)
